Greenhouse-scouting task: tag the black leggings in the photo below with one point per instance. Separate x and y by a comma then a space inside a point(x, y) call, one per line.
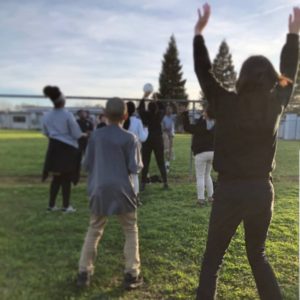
point(63, 181)
point(156, 145)
point(250, 202)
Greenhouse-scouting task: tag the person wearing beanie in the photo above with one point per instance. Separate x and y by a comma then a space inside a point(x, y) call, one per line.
point(63, 156)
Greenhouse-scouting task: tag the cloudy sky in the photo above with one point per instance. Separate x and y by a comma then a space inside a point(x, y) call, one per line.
point(113, 47)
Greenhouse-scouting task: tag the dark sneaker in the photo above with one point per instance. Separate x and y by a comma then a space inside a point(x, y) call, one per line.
point(166, 186)
point(83, 279)
point(201, 202)
point(131, 283)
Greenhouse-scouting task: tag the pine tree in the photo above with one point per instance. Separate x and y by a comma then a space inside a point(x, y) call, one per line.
point(296, 96)
point(223, 67)
point(171, 84)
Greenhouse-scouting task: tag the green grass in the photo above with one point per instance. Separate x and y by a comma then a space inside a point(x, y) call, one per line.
point(39, 251)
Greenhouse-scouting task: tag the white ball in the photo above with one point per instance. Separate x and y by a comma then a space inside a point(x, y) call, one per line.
point(148, 88)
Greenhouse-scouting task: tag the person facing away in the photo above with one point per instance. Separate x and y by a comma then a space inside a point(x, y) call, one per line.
point(86, 126)
point(247, 122)
point(203, 149)
point(63, 157)
point(112, 156)
point(135, 125)
point(152, 118)
point(168, 129)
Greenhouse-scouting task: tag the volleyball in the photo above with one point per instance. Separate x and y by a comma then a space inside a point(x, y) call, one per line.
point(148, 88)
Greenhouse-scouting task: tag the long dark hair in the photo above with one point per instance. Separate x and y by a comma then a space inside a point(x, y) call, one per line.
point(55, 95)
point(130, 111)
point(256, 88)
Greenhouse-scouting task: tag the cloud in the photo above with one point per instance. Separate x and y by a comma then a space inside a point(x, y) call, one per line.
point(111, 48)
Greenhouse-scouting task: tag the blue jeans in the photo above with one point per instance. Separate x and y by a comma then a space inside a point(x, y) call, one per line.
point(250, 201)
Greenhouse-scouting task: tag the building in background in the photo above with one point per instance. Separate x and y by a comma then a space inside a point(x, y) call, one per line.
point(30, 117)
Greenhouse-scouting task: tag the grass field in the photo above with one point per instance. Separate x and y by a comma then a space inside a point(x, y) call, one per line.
point(39, 251)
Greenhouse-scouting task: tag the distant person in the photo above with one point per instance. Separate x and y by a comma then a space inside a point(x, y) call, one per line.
point(247, 123)
point(203, 150)
point(152, 118)
point(102, 121)
point(112, 156)
point(63, 155)
point(135, 125)
point(168, 128)
point(86, 126)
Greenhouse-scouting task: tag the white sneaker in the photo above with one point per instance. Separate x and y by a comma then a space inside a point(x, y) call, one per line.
point(68, 210)
point(54, 208)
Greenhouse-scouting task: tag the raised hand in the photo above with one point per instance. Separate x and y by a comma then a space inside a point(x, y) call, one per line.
point(294, 21)
point(203, 18)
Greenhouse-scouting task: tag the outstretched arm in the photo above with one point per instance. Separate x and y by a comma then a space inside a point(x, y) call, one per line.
point(212, 89)
point(289, 58)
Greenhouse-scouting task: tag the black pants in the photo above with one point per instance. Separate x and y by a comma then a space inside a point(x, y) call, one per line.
point(250, 201)
point(63, 181)
point(156, 145)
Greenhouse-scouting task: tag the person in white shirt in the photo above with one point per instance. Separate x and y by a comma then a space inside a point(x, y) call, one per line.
point(135, 125)
point(168, 129)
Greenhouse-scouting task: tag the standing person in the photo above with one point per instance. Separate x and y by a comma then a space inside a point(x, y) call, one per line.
point(202, 147)
point(245, 142)
point(135, 125)
point(153, 118)
point(112, 156)
point(102, 121)
point(86, 126)
point(168, 129)
point(63, 157)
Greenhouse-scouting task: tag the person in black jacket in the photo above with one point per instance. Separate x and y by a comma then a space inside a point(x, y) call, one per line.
point(152, 119)
point(247, 122)
point(86, 126)
point(202, 147)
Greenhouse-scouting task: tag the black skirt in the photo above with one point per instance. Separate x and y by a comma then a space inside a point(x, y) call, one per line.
point(62, 159)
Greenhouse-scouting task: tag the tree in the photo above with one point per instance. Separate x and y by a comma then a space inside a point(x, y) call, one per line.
point(223, 67)
point(171, 84)
point(296, 96)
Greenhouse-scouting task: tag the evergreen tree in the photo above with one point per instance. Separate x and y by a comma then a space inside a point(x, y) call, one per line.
point(296, 96)
point(171, 84)
point(223, 67)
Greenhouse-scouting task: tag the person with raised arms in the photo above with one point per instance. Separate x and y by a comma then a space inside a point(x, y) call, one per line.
point(247, 122)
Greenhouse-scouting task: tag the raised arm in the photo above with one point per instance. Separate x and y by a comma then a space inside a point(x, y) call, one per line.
point(289, 58)
point(210, 86)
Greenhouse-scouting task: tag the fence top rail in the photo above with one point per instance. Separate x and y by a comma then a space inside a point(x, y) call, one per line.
point(94, 98)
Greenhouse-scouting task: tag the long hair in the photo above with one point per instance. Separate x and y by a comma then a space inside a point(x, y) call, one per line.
point(130, 111)
point(255, 89)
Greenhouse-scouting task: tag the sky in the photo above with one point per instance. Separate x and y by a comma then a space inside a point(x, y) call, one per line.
point(112, 47)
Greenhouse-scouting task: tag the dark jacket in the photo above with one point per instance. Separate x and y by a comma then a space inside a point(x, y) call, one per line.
point(244, 153)
point(203, 139)
point(152, 119)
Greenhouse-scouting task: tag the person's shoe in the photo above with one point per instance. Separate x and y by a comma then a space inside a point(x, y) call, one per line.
point(201, 202)
point(166, 186)
point(83, 279)
point(69, 210)
point(210, 200)
point(131, 283)
point(53, 208)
